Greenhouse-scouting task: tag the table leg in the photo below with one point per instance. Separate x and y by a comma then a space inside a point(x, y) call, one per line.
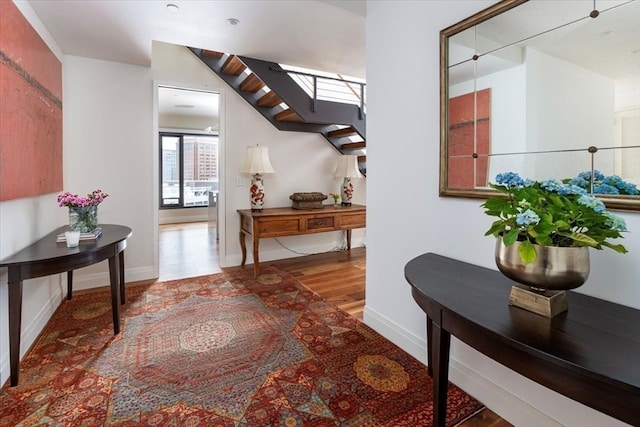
point(15, 323)
point(243, 246)
point(115, 292)
point(121, 262)
point(348, 240)
point(429, 347)
point(69, 284)
point(440, 342)
point(256, 259)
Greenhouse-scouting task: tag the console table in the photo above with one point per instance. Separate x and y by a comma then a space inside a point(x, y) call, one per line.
point(278, 222)
point(589, 353)
point(46, 257)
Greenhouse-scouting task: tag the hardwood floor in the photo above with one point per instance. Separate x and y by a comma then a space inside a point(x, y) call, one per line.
point(191, 249)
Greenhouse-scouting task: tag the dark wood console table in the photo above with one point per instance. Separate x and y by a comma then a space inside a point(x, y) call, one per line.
point(46, 257)
point(590, 353)
point(277, 222)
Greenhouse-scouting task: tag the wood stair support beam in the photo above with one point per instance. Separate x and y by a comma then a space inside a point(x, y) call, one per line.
point(341, 133)
point(269, 99)
point(212, 54)
point(233, 66)
point(251, 84)
point(288, 115)
point(354, 146)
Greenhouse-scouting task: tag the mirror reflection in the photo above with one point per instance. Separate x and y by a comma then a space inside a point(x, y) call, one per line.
point(547, 89)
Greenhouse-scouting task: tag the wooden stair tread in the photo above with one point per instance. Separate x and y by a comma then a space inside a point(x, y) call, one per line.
point(234, 66)
point(251, 84)
point(288, 115)
point(339, 133)
point(212, 54)
point(354, 145)
point(270, 99)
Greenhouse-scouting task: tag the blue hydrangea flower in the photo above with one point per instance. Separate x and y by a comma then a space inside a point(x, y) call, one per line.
point(510, 180)
point(527, 217)
point(552, 185)
point(592, 202)
point(631, 189)
point(615, 222)
point(605, 189)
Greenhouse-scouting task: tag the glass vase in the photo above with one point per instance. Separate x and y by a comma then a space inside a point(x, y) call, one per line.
point(83, 219)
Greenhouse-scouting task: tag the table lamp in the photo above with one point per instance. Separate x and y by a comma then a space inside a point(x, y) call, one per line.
point(257, 163)
point(347, 168)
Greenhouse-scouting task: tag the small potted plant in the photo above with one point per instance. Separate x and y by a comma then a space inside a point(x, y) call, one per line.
point(558, 220)
point(336, 198)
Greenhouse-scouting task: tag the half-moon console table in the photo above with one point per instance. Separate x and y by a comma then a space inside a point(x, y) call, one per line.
point(46, 257)
point(590, 353)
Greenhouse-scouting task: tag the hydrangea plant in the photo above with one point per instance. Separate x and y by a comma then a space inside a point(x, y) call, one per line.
point(550, 213)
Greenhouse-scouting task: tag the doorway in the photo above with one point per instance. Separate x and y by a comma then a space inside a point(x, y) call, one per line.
point(188, 182)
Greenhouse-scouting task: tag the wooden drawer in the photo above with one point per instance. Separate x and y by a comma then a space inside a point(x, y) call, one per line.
point(357, 220)
point(324, 222)
point(278, 227)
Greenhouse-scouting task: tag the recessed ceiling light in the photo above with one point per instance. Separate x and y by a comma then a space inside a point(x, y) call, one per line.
point(233, 21)
point(173, 7)
point(184, 106)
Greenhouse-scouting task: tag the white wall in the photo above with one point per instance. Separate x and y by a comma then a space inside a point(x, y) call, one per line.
point(403, 108)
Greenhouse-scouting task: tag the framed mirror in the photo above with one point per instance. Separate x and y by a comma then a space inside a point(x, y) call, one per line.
point(544, 88)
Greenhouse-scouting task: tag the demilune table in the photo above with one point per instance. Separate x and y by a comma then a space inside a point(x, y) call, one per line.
point(590, 353)
point(46, 257)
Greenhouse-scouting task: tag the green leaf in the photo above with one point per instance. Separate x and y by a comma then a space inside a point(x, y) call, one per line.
point(583, 239)
point(618, 248)
point(511, 237)
point(496, 229)
point(527, 252)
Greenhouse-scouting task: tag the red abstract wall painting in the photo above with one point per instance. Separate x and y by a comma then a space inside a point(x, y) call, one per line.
point(30, 110)
point(469, 133)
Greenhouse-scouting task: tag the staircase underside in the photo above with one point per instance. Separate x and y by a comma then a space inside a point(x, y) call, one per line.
point(275, 95)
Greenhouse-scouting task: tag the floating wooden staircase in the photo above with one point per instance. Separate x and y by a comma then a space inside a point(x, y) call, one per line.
point(275, 95)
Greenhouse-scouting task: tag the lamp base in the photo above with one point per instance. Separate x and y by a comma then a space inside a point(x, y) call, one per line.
point(346, 192)
point(256, 193)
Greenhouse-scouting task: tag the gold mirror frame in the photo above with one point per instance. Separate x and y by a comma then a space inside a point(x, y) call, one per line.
point(630, 203)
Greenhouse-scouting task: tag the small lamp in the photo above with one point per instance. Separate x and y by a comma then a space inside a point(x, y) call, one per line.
point(257, 163)
point(347, 168)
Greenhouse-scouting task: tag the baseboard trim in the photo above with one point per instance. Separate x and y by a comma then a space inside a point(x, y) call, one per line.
point(513, 409)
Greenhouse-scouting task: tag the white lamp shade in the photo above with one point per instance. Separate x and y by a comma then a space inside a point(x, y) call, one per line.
point(347, 167)
point(257, 161)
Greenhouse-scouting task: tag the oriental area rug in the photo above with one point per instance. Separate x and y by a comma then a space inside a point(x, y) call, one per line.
point(219, 350)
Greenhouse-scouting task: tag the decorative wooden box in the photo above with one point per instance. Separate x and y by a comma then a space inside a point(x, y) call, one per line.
point(307, 200)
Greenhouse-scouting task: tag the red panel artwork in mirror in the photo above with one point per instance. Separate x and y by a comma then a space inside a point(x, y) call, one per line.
point(469, 134)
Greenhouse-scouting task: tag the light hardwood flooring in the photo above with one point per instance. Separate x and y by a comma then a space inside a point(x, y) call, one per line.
point(191, 249)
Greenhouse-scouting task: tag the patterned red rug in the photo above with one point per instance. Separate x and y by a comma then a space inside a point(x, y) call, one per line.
point(219, 350)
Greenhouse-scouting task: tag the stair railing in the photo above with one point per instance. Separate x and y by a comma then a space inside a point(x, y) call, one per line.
point(315, 77)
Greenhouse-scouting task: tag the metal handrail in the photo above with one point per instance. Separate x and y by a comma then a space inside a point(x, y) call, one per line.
point(315, 78)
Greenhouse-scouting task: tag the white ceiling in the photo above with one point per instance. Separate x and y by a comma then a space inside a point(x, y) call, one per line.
point(321, 35)
point(327, 35)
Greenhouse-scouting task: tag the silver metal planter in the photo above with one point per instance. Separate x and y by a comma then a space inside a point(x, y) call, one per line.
point(554, 269)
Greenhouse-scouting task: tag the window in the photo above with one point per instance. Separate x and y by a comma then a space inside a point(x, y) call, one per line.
point(188, 169)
